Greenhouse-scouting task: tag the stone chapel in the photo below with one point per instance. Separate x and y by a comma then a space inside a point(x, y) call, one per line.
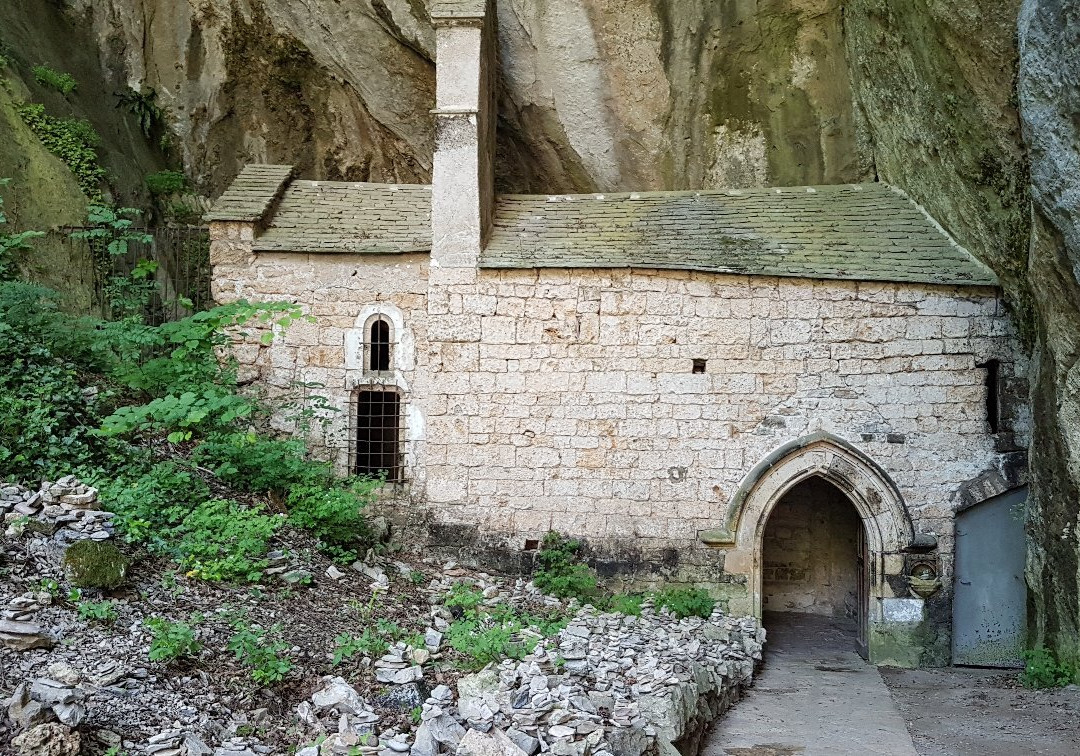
point(787, 394)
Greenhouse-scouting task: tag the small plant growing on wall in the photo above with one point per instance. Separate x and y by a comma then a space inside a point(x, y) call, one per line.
point(64, 83)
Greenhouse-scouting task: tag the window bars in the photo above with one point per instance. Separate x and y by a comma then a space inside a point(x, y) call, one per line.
point(377, 440)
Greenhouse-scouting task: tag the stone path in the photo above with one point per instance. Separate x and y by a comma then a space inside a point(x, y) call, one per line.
point(813, 697)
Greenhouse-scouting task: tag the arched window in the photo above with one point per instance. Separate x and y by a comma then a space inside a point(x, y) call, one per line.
point(379, 344)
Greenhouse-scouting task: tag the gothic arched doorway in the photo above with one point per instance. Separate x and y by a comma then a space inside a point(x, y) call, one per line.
point(813, 566)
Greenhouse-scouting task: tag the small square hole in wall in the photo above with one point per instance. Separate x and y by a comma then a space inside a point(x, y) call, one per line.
point(531, 544)
point(698, 366)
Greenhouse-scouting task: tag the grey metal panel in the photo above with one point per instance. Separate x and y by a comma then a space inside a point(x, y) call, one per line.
point(990, 599)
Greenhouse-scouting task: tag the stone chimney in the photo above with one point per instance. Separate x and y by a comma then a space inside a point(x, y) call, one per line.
point(462, 190)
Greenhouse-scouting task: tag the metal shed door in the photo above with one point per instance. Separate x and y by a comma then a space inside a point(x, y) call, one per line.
point(990, 599)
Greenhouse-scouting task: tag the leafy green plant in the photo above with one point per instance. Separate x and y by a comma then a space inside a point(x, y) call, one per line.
point(97, 611)
point(224, 540)
point(166, 182)
point(1043, 669)
point(64, 83)
point(686, 602)
point(143, 105)
point(416, 714)
point(416, 577)
point(465, 595)
point(262, 651)
point(333, 515)
point(629, 604)
point(171, 640)
point(561, 572)
point(73, 140)
point(49, 586)
point(368, 643)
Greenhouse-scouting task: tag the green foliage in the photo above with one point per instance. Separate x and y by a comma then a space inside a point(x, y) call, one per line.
point(166, 182)
point(629, 604)
point(47, 414)
point(465, 595)
point(94, 564)
point(64, 83)
point(416, 714)
point(143, 105)
point(561, 571)
point(686, 602)
point(1043, 669)
point(416, 577)
point(49, 586)
point(262, 651)
point(223, 540)
point(97, 611)
point(11, 243)
point(368, 643)
point(73, 140)
point(333, 515)
point(260, 465)
point(170, 641)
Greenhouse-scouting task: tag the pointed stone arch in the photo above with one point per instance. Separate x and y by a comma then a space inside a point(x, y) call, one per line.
point(873, 494)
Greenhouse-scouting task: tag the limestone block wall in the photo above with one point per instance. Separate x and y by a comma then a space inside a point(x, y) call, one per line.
point(324, 358)
point(567, 399)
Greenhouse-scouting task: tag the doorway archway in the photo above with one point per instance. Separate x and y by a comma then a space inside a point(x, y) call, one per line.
point(813, 563)
point(869, 490)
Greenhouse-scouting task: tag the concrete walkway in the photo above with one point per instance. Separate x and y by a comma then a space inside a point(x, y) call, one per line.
point(814, 696)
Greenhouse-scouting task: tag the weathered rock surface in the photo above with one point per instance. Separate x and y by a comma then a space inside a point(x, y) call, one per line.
point(1049, 96)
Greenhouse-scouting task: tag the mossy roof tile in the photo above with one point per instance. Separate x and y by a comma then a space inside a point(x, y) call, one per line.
point(858, 231)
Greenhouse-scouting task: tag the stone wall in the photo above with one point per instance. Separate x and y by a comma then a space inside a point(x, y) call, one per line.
point(810, 553)
point(567, 399)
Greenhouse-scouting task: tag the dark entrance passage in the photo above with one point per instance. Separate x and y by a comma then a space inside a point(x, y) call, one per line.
point(814, 564)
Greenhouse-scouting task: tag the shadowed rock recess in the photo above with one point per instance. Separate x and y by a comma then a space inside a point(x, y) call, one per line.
point(946, 101)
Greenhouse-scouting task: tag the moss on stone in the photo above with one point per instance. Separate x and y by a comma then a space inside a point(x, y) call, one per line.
point(94, 564)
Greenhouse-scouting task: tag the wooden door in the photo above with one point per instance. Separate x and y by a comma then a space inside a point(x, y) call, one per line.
point(863, 593)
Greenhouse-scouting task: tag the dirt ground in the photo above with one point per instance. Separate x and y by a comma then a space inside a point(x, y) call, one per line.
point(958, 711)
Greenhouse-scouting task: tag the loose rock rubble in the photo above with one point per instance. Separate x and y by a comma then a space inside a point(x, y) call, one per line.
point(606, 685)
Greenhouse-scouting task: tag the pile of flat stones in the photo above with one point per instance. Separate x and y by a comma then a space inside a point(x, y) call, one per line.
point(607, 685)
point(66, 510)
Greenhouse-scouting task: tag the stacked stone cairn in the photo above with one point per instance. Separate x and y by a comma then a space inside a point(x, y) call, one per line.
point(607, 685)
point(57, 515)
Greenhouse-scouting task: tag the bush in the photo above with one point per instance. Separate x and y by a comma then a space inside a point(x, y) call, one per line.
point(166, 182)
point(629, 604)
point(150, 502)
point(333, 515)
point(64, 83)
point(1043, 669)
point(47, 417)
point(260, 465)
point(686, 602)
point(262, 651)
point(464, 595)
point(223, 540)
point(94, 564)
point(561, 571)
point(171, 640)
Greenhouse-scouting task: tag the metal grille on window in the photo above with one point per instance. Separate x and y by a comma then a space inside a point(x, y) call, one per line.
point(377, 438)
point(379, 344)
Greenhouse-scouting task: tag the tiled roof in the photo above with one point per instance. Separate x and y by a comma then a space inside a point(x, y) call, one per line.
point(458, 8)
point(336, 216)
point(251, 193)
point(867, 232)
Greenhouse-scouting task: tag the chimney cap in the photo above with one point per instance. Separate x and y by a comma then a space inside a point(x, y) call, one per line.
point(458, 9)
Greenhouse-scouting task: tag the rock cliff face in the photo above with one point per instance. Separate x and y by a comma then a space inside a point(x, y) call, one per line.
point(655, 94)
point(1049, 96)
